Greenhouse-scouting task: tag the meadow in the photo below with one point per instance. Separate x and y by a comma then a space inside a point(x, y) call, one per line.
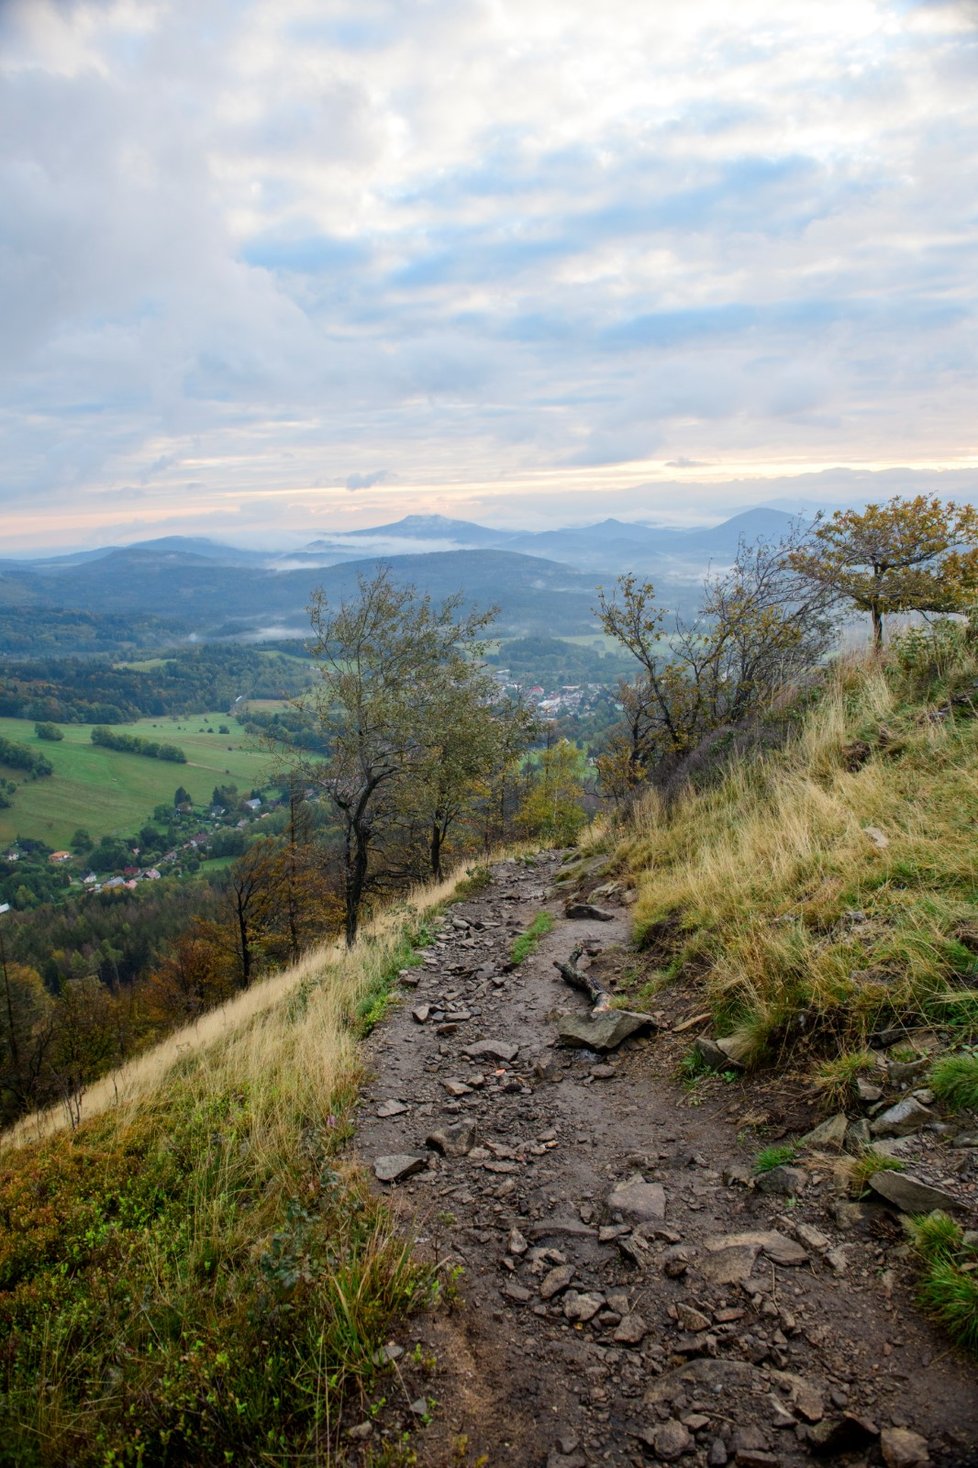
point(111, 793)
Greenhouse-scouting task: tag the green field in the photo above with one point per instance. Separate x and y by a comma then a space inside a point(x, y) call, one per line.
point(111, 793)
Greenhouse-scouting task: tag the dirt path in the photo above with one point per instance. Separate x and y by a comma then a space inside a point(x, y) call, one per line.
point(688, 1318)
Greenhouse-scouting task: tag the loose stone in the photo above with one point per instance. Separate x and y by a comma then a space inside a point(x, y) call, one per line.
point(399, 1166)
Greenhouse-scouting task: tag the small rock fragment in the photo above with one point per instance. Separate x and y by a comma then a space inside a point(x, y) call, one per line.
point(670, 1440)
point(452, 1141)
point(911, 1195)
point(638, 1200)
point(582, 1306)
point(555, 1280)
point(492, 1050)
point(828, 1136)
point(586, 911)
point(398, 1166)
point(603, 1031)
point(631, 1331)
point(390, 1108)
point(902, 1448)
point(901, 1120)
point(784, 1179)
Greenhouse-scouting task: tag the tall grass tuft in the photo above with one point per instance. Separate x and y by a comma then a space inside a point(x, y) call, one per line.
point(954, 1080)
point(949, 1287)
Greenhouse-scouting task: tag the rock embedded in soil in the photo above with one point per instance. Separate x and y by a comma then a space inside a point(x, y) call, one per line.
point(670, 1440)
point(390, 1108)
point(715, 1377)
point(556, 1280)
point(586, 911)
point(784, 1179)
point(903, 1449)
point(492, 1050)
point(603, 1031)
point(846, 1434)
point(453, 1141)
point(829, 1135)
point(631, 1330)
point(582, 1306)
point(901, 1120)
point(911, 1195)
point(398, 1166)
point(638, 1200)
point(804, 1397)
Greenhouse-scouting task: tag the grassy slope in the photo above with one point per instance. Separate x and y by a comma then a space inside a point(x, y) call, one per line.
point(196, 1275)
point(111, 793)
point(769, 895)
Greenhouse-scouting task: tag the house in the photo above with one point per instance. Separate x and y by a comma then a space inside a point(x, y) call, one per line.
point(57, 857)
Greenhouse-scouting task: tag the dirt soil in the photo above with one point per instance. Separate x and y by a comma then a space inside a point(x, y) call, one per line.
point(688, 1317)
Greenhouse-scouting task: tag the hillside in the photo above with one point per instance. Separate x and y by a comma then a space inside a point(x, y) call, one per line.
point(825, 892)
point(678, 1227)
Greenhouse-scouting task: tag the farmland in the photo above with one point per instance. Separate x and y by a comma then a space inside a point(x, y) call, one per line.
point(111, 793)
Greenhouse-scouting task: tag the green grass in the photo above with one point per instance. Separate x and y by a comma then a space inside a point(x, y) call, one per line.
point(166, 1295)
point(835, 1078)
point(199, 1275)
point(527, 941)
point(954, 1080)
point(949, 1287)
point(861, 1169)
point(770, 1157)
point(112, 793)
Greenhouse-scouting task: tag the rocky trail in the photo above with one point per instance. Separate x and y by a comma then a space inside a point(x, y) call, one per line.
point(629, 1293)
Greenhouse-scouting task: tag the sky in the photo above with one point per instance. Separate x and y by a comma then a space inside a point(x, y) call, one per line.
point(274, 270)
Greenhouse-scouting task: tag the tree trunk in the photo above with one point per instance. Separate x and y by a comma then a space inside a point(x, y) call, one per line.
point(877, 628)
point(355, 878)
point(435, 850)
point(244, 940)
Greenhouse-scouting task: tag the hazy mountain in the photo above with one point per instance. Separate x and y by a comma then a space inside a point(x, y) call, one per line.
point(534, 595)
point(437, 527)
point(542, 581)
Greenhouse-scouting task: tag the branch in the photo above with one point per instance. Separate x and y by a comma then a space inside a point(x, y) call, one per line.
point(571, 974)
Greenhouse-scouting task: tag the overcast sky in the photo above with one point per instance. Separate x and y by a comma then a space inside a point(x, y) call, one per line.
point(304, 265)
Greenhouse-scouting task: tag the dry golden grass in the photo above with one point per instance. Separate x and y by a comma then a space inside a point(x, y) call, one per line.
point(748, 884)
point(254, 1039)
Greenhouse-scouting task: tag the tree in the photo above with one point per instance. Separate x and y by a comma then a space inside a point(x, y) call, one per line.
point(387, 660)
point(190, 979)
point(26, 1015)
point(182, 797)
point(554, 806)
point(470, 732)
point(761, 625)
point(907, 555)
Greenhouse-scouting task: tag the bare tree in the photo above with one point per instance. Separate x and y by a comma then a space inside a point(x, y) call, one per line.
point(762, 625)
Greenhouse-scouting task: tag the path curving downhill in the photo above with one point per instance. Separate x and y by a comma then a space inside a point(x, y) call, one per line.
point(627, 1295)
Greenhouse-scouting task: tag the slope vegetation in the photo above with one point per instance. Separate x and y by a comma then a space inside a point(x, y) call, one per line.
point(816, 895)
point(195, 1275)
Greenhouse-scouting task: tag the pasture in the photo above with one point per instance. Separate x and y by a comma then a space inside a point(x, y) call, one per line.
point(112, 793)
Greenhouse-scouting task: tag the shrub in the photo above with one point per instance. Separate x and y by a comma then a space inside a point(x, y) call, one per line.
point(954, 1080)
point(949, 1288)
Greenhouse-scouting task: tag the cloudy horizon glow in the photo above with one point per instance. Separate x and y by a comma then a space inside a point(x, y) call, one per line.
point(303, 267)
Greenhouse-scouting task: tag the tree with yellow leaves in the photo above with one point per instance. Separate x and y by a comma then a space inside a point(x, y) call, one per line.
point(909, 555)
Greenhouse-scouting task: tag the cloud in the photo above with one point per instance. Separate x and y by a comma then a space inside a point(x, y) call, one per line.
point(241, 241)
point(367, 481)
